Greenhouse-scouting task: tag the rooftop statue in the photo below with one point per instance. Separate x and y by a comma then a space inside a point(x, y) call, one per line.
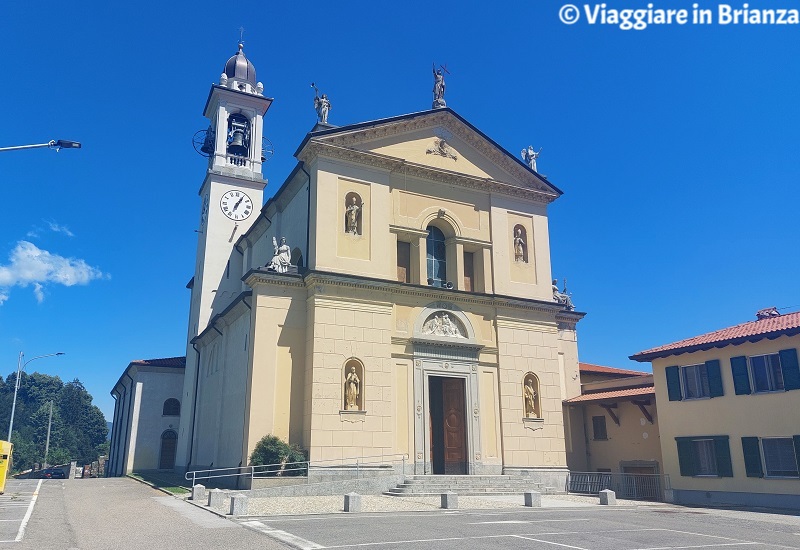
point(439, 86)
point(561, 296)
point(282, 258)
point(321, 104)
point(529, 156)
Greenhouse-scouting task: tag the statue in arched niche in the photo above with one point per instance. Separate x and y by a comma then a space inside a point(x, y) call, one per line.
point(519, 244)
point(352, 389)
point(530, 397)
point(352, 214)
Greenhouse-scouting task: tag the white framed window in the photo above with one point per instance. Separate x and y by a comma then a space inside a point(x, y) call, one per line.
point(780, 459)
point(766, 373)
point(705, 457)
point(695, 382)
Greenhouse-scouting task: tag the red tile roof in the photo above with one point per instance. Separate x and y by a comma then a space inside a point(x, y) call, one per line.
point(598, 369)
point(753, 331)
point(614, 394)
point(176, 362)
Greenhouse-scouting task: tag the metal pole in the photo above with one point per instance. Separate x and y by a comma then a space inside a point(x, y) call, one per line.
point(47, 445)
point(14, 402)
point(20, 366)
point(36, 146)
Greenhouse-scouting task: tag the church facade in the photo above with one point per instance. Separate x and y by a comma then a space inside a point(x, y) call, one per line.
point(394, 297)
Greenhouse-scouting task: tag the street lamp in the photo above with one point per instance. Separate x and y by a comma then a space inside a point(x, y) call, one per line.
point(20, 367)
point(56, 144)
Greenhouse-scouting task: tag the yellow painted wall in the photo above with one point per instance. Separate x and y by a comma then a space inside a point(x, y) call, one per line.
point(737, 416)
point(635, 439)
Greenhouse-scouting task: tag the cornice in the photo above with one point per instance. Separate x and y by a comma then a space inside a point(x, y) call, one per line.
point(487, 185)
point(456, 126)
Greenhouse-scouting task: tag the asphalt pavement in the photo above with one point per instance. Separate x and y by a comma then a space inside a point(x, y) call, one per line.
point(586, 528)
point(123, 514)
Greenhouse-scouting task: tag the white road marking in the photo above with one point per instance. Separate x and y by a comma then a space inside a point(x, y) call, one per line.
point(21, 532)
point(548, 542)
point(701, 546)
point(528, 521)
point(498, 522)
point(282, 536)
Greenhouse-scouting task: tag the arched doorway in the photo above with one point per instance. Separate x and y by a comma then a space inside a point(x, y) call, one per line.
point(169, 445)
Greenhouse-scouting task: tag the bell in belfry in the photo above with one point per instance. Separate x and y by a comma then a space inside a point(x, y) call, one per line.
point(239, 139)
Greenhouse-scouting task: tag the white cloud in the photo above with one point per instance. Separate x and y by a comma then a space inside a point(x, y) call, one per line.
point(30, 265)
point(59, 228)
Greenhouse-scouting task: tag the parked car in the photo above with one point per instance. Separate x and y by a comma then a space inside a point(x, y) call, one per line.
point(52, 473)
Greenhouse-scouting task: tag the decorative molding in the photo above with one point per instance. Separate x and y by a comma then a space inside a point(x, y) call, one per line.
point(352, 416)
point(318, 148)
point(439, 121)
point(533, 424)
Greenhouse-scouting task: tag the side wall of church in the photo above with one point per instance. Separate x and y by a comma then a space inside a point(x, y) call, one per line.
point(290, 220)
point(221, 394)
point(276, 377)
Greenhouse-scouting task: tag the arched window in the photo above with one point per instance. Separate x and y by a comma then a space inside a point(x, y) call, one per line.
point(169, 445)
point(297, 258)
point(436, 256)
point(531, 404)
point(172, 407)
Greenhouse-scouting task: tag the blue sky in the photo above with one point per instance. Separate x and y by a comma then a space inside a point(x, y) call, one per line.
point(675, 146)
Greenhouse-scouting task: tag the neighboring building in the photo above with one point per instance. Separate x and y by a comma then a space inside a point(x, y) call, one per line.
point(147, 415)
point(614, 423)
point(728, 406)
point(417, 316)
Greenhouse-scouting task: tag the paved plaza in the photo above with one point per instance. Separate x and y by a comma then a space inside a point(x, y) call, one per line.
point(580, 528)
point(122, 514)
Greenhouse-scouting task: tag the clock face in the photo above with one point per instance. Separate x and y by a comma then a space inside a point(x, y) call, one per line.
point(236, 205)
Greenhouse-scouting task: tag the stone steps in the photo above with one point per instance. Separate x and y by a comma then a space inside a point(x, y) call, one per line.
point(466, 485)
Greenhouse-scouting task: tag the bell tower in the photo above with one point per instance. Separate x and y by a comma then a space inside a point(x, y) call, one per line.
point(232, 194)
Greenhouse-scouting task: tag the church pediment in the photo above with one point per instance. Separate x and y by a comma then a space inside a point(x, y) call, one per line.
point(438, 140)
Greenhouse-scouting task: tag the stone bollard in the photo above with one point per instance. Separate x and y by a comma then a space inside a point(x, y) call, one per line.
point(216, 498)
point(238, 505)
point(199, 493)
point(352, 502)
point(608, 497)
point(533, 499)
point(449, 500)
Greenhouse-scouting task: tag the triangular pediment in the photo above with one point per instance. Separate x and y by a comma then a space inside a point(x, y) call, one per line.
point(439, 140)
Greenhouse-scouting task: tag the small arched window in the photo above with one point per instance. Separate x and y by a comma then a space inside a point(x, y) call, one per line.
point(436, 257)
point(172, 407)
point(297, 258)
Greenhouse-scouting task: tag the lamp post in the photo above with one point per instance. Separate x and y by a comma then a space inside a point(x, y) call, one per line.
point(20, 367)
point(56, 144)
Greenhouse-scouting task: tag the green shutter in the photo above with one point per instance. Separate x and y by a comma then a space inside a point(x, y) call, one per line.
point(723, 451)
point(741, 376)
point(791, 371)
point(674, 383)
point(714, 378)
point(752, 457)
point(685, 455)
point(796, 440)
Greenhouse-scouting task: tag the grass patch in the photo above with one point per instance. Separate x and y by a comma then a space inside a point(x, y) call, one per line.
point(162, 480)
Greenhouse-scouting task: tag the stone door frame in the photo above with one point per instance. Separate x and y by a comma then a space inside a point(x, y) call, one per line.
point(424, 368)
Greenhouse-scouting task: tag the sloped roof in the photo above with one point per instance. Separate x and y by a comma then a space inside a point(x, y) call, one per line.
point(174, 362)
point(614, 394)
point(753, 331)
point(599, 369)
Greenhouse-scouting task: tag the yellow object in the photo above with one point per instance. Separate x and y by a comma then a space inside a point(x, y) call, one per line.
point(5, 463)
